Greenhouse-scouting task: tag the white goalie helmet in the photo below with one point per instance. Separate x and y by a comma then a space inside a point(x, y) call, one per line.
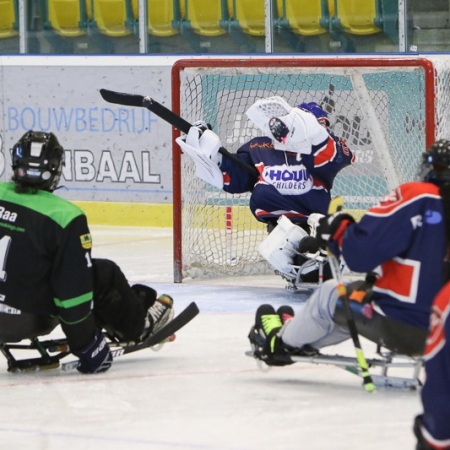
point(291, 129)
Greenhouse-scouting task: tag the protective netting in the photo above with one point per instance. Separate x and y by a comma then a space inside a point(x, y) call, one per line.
point(381, 112)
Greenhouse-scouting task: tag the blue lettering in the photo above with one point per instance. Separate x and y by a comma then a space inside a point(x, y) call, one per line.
point(80, 119)
point(62, 120)
point(150, 121)
point(287, 175)
point(107, 117)
point(28, 124)
point(13, 120)
point(41, 116)
point(275, 175)
point(142, 124)
point(104, 120)
point(123, 119)
point(93, 119)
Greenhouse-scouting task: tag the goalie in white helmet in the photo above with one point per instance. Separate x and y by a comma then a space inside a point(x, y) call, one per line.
point(297, 161)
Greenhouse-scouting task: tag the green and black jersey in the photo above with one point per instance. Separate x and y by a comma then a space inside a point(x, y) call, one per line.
point(45, 258)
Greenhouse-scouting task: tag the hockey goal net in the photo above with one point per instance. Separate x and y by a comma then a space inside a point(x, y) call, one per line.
point(383, 107)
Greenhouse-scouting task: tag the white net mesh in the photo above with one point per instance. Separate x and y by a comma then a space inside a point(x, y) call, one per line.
point(441, 65)
point(381, 112)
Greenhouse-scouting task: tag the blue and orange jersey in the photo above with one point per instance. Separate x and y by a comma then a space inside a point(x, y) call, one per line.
point(290, 184)
point(403, 240)
point(436, 390)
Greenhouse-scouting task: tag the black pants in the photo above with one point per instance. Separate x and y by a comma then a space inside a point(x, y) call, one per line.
point(119, 308)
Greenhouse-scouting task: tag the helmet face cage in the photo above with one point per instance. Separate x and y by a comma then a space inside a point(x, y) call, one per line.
point(314, 108)
point(435, 167)
point(38, 160)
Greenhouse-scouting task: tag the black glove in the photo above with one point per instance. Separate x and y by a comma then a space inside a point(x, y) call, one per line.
point(96, 356)
point(332, 227)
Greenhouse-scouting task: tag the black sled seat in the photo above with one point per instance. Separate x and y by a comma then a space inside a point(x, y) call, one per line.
point(17, 327)
point(22, 331)
point(397, 337)
point(399, 345)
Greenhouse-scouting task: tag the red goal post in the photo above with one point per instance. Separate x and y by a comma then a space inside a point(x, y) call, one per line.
point(385, 108)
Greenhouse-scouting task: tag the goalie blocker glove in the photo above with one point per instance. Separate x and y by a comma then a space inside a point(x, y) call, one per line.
point(95, 357)
point(203, 147)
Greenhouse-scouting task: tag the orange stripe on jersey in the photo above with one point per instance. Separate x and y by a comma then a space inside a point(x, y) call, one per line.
point(439, 313)
point(400, 279)
point(325, 154)
point(402, 195)
point(319, 184)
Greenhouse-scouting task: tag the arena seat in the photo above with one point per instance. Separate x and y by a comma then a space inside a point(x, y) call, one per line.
point(8, 18)
point(66, 17)
point(359, 18)
point(304, 17)
point(161, 15)
point(112, 17)
point(205, 17)
point(248, 15)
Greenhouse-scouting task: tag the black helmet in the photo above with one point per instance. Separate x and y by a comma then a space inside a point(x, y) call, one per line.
point(435, 167)
point(38, 160)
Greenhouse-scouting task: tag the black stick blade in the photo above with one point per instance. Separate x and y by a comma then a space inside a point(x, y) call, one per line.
point(120, 98)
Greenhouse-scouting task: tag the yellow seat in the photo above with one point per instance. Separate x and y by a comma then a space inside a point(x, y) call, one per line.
point(204, 16)
point(111, 17)
point(357, 17)
point(302, 16)
point(7, 19)
point(249, 14)
point(160, 14)
point(65, 17)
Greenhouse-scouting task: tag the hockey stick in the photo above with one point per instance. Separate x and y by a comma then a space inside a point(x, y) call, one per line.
point(161, 335)
point(169, 116)
point(336, 205)
point(60, 347)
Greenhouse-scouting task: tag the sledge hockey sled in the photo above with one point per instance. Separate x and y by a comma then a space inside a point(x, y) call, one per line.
point(385, 363)
point(398, 348)
point(24, 333)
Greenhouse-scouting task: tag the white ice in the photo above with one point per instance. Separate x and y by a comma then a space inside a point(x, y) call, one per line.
point(201, 391)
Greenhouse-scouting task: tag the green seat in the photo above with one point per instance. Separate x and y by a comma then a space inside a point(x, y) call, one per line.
point(8, 18)
point(204, 16)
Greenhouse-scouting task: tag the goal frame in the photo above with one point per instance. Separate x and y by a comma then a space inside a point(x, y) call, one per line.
point(288, 62)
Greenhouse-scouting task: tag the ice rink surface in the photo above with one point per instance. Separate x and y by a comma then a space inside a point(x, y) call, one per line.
point(201, 391)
